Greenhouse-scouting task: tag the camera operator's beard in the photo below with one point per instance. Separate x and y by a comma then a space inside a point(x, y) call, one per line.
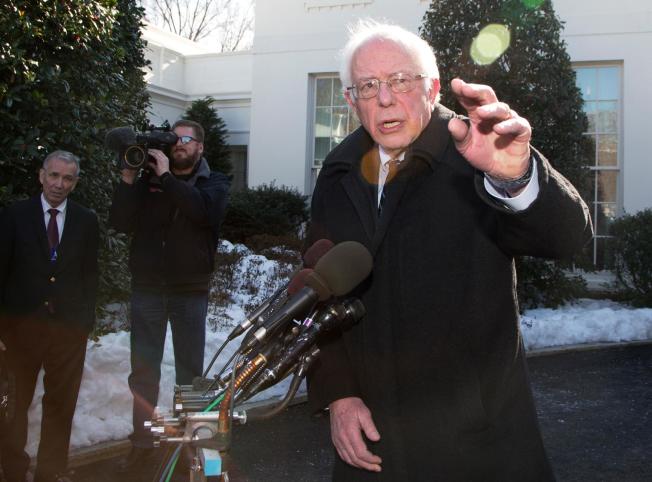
point(181, 160)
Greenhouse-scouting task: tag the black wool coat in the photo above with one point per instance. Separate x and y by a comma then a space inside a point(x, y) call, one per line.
point(438, 357)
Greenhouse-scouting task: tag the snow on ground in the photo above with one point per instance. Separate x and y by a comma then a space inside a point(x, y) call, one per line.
point(104, 407)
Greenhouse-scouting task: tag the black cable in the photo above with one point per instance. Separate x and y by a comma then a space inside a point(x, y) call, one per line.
point(217, 353)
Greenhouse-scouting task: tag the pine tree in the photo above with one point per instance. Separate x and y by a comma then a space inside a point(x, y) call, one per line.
point(216, 150)
point(534, 74)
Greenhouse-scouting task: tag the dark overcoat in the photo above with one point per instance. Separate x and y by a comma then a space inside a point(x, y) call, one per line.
point(438, 357)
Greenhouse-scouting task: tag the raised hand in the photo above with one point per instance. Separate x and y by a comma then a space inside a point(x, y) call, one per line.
point(497, 141)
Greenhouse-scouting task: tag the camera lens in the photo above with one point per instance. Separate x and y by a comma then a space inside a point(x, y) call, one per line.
point(134, 157)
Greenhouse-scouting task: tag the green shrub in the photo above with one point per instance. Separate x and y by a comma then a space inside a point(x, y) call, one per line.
point(543, 283)
point(264, 216)
point(632, 255)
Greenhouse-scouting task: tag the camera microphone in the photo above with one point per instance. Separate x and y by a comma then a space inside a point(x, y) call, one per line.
point(120, 138)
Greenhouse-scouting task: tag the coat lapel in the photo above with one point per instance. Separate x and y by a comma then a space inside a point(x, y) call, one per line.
point(37, 219)
point(360, 185)
point(70, 226)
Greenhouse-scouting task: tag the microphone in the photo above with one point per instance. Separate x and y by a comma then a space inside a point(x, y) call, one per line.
point(310, 258)
point(315, 252)
point(119, 138)
point(336, 314)
point(297, 282)
point(340, 270)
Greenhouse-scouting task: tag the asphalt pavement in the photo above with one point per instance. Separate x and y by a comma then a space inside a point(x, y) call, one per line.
point(595, 410)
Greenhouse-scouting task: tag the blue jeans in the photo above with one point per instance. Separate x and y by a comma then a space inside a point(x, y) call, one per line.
point(150, 312)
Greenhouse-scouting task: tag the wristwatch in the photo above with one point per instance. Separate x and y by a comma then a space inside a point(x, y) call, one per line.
point(513, 184)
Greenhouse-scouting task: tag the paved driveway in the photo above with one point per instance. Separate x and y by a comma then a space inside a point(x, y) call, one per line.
point(595, 409)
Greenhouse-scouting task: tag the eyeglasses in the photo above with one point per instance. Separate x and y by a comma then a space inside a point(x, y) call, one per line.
point(186, 139)
point(399, 83)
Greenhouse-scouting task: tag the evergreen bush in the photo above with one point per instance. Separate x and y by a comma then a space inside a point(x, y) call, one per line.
point(266, 216)
point(543, 283)
point(216, 150)
point(632, 254)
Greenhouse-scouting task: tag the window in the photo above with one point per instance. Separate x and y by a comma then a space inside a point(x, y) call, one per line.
point(333, 120)
point(601, 91)
point(238, 158)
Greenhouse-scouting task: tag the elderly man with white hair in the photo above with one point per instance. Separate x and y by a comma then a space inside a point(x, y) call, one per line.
point(432, 383)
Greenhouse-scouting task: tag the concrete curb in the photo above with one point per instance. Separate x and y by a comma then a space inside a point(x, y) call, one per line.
point(584, 347)
point(106, 450)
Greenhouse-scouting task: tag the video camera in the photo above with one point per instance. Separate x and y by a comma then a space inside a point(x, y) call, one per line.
point(131, 146)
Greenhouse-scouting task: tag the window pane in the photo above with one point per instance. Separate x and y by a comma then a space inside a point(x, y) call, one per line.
point(338, 95)
point(339, 123)
point(607, 117)
point(587, 81)
point(324, 91)
point(591, 160)
point(604, 253)
point(606, 213)
point(608, 83)
point(608, 150)
point(313, 181)
point(591, 110)
point(323, 122)
point(607, 181)
point(354, 123)
point(322, 147)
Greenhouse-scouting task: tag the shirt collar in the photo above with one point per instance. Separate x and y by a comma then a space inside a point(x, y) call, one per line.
point(46, 205)
point(385, 158)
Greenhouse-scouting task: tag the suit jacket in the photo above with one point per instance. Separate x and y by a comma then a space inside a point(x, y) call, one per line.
point(438, 357)
point(29, 279)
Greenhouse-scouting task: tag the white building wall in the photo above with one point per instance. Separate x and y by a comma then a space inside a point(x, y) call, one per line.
point(182, 71)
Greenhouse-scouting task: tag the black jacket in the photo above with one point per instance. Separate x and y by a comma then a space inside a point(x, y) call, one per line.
point(28, 279)
point(175, 227)
point(438, 357)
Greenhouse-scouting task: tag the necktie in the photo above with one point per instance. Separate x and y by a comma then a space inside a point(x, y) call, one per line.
point(392, 167)
point(53, 231)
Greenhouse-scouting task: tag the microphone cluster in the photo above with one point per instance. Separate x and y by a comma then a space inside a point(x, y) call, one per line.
point(280, 339)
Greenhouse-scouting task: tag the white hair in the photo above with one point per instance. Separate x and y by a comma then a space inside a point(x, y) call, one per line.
point(65, 156)
point(366, 30)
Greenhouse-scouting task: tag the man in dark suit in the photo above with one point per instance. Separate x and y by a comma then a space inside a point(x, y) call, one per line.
point(48, 285)
point(432, 383)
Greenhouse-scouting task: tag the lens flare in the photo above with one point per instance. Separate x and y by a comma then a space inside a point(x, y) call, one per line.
point(491, 43)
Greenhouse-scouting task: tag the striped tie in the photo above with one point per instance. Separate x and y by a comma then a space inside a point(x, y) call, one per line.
point(53, 231)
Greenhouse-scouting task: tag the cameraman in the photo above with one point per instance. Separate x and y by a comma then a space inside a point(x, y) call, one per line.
point(173, 211)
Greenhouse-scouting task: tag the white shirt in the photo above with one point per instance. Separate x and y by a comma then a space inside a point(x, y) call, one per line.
point(516, 203)
point(61, 217)
point(384, 169)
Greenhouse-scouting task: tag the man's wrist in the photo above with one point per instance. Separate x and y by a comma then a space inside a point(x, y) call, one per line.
point(512, 185)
